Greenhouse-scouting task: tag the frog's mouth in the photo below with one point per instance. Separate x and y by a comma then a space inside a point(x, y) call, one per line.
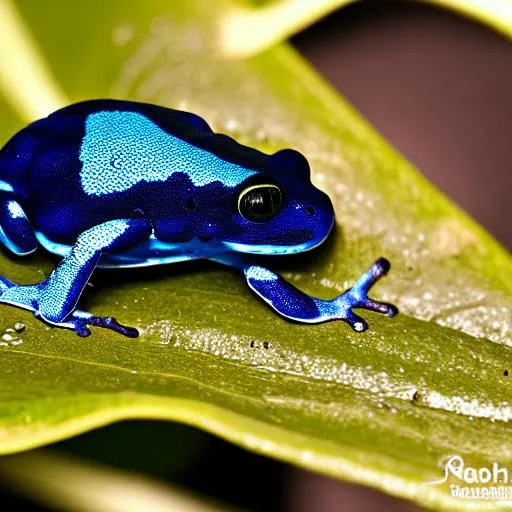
point(272, 250)
point(307, 240)
point(266, 249)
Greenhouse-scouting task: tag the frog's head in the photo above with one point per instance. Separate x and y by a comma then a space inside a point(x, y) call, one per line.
point(279, 211)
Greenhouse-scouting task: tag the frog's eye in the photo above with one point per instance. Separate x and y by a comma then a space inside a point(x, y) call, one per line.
point(260, 202)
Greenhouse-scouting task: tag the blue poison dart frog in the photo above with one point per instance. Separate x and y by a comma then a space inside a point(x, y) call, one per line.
point(107, 183)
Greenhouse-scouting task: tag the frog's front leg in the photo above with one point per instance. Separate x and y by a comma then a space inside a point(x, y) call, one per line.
point(290, 302)
point(54, 299)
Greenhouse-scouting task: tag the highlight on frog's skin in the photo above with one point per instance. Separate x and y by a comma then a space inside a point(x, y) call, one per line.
point(126, 184)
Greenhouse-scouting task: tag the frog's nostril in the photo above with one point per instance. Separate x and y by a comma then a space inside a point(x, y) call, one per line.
point(190, 205)
point(310, 210)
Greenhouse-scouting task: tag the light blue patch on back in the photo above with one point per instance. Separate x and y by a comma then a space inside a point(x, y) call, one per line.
point(121, 149)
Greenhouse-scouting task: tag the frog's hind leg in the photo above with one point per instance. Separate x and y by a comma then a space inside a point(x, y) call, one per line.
point(16, 232)
point(54, 299)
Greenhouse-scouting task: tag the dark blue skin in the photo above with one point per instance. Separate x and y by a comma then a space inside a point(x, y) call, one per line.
point(112, 183)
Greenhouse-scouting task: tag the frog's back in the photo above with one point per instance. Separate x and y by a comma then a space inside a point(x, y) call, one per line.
point(104, 113)
point(85, 163)
point(64, 132)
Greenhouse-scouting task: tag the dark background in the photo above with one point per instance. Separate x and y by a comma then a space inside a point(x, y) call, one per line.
point(438, 87)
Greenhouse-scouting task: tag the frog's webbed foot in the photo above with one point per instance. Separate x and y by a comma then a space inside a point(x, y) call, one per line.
point(79, 321)
point(357, 297)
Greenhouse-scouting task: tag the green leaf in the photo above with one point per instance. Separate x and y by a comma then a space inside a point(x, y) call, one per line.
point(379, 408)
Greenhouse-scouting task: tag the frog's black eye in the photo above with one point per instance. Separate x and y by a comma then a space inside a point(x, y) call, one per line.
point(260, 202)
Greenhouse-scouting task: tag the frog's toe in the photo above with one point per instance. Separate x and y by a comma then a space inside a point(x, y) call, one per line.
point(81, 329)
point(109, 322)
point(379, 307)
point(80, 320)
point(357, 323)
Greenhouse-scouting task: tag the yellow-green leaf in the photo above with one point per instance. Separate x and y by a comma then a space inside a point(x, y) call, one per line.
point(379, 408)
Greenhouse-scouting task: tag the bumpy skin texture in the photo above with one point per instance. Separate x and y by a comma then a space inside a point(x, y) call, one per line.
point(112, 183)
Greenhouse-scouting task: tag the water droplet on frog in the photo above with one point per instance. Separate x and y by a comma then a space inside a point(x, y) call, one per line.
point(7, 337)
point(15, 342)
